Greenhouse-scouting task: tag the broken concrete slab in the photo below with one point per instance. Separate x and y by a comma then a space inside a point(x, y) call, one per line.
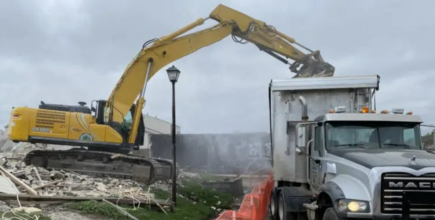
point(101, 187)
point(28, 210)
point(4, 207)
point(7, 186)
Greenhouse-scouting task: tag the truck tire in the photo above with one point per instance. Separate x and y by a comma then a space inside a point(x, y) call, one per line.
point(284, 203)
point(283, 214)
point(273, 205)
point(331, 215)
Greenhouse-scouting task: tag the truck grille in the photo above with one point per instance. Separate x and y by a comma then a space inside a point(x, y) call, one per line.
point(394, 185)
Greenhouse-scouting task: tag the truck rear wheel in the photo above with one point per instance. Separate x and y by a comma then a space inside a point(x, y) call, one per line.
point(283, 214)
point(284, 206)
point(273, 207)
point(331, 215)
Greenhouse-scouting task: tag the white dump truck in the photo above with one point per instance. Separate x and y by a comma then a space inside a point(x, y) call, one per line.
point(335, 156)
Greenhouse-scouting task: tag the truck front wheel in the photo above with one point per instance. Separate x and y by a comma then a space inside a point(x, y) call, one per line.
point(331, 215)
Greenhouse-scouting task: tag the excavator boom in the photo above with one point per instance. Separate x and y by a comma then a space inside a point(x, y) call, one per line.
point(151, 58)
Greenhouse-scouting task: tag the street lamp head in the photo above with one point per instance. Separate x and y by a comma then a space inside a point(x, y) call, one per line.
point(173, 74)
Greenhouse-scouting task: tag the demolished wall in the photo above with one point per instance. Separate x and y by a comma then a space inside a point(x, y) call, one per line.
point(5, 144)
point(241, 153)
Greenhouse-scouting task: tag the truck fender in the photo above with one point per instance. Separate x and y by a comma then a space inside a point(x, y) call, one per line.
point(333, 190)
point(330, 192)
point(347, 187)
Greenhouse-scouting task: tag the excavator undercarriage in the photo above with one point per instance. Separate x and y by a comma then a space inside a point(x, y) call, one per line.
point(102, 164)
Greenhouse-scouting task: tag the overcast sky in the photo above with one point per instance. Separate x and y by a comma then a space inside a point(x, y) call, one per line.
point(69, 51)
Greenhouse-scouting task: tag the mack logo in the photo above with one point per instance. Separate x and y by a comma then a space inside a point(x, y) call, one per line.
point(412, 185)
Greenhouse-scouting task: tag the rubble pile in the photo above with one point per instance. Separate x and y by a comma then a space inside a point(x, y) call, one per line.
point(68, 183)
point(42, 187)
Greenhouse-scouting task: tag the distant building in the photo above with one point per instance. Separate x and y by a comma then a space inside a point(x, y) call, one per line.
point(154, 125)
point(428, 141)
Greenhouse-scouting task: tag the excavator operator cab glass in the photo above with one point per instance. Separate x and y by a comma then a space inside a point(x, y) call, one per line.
point(128, 121)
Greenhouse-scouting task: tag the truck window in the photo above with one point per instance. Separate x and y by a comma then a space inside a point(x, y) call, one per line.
point(409, 136)
point(318, 145)
point(363, 134)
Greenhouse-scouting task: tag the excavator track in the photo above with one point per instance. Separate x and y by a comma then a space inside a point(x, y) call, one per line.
point(102, 164)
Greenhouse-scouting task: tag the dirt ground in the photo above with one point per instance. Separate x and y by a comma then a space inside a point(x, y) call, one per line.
point(60, 213)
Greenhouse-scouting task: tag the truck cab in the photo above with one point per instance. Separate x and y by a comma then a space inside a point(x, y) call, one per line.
point(349, 162)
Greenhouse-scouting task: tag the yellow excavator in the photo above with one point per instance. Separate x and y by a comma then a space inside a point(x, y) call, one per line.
point(106, 133)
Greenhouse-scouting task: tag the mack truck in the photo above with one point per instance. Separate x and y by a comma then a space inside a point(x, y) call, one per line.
point(335, 156)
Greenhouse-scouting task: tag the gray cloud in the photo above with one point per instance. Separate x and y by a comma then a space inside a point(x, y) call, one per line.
point(68, 51)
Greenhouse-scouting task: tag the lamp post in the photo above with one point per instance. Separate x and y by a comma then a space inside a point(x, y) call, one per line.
point(173, 74)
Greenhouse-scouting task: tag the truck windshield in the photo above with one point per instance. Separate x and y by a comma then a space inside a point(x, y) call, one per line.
point(391, 135)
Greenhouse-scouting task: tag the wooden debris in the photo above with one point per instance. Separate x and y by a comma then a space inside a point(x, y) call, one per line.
point(47, 184)
point(35, 198)
point(19, 173)
point(18, 181)
point(121, 210)
point(115, 156)
point(37, 175)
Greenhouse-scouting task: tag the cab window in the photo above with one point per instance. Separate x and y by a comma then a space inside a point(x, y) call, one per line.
point(318, 146)
point(128, 120)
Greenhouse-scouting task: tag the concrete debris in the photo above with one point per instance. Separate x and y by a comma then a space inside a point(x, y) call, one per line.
point(16, 180)
point(21, 149)
point(7, 186)
point(28, 210)
point(4, 207)
point(7, 145)
point(64, 183)
point(101, 187)
point(55, 175)
point(39, 185)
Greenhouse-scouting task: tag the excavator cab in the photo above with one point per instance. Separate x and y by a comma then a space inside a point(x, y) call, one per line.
point(125, 127)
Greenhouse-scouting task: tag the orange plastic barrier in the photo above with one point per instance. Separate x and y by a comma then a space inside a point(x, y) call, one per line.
point(254, 205)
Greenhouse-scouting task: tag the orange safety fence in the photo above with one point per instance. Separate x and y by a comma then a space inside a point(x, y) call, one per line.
point(255, 204)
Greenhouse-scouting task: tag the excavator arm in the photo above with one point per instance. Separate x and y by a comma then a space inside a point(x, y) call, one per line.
point(152, 57)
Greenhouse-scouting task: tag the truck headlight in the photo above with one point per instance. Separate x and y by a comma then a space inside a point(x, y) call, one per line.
point(347, 205)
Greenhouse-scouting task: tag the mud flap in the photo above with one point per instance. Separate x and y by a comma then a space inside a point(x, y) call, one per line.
point(141, 173)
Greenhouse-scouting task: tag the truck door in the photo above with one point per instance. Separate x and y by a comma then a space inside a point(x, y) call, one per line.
point(316, 149)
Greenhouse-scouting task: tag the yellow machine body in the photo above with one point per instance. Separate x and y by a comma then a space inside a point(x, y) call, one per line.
point(58, 127)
